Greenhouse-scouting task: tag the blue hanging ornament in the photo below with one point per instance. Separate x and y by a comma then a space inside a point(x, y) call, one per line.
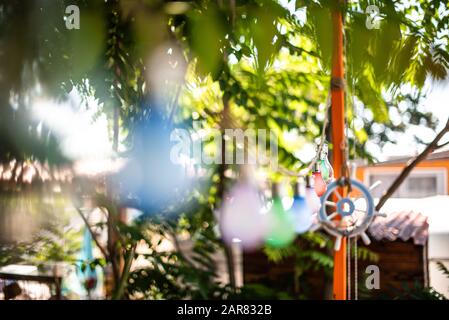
point(87, 274)
point(150, 181)
point(301, 210)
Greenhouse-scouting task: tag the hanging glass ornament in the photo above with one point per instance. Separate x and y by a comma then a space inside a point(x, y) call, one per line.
point(327, 172)
point(312, 199)
point(282, 223)
point(300, 209)
point(319, 184)
point(241, 216)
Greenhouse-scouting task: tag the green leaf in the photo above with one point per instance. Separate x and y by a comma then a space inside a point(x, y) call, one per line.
point(320, 18)
point(207, 37)
point(263, 29)
point(443, 268)
point(87, 44)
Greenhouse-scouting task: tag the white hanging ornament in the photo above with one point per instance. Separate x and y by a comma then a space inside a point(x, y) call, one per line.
point(312, 199)
point(241, 218)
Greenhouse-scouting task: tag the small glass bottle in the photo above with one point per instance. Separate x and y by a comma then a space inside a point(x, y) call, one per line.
point(327, 172)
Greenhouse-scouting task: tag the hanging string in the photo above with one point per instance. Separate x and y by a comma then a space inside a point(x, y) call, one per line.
point(344, 147)
point(355, 270)
point(323, 131)
point(302, 173)
point(353, 115)
point(309, 168)
point(346, 166)
point(353, 108)
point(348, 240)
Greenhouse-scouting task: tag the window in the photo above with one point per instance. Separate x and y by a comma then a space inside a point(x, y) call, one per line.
point(422, 183)
point(422, 186)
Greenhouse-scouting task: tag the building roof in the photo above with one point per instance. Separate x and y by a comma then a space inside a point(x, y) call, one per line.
point(403, 225)
point(412, 219)
point(405, 159)
point(435, 208)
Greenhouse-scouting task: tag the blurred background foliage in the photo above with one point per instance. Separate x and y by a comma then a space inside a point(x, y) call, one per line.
point(239, 64)
point(35, 228)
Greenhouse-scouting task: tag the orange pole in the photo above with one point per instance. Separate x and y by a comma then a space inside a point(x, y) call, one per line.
point(337, 125)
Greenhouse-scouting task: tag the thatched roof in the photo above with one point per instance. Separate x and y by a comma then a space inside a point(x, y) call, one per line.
point(26, 173)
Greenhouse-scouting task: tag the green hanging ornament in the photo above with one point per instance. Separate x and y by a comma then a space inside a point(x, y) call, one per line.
point(281, 223)
point(327, 172)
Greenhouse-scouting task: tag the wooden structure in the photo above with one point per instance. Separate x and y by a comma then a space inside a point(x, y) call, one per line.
point(337, 125)
point(26, 284)
point(399, 241)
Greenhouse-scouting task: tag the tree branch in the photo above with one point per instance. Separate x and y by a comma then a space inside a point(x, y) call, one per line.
point(406, 171)
point(442, 145)
point(125, 274)
point(179, 249)
point(226, 116)
point(94, 236)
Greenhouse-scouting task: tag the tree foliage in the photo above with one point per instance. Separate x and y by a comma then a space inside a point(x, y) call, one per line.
point(246, 63)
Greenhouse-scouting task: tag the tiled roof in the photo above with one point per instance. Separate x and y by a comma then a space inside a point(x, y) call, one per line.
point(402, 225)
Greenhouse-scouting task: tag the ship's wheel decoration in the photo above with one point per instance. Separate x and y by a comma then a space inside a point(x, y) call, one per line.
point(347, 214)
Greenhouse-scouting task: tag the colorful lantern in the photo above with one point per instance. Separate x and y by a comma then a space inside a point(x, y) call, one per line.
point(312, 199)
point(301, 210)
point(319, 184)
point(327, 172)
point(241, 216)
point(282, 223)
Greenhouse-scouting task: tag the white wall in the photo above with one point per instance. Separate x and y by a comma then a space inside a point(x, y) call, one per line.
point(439, 251)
